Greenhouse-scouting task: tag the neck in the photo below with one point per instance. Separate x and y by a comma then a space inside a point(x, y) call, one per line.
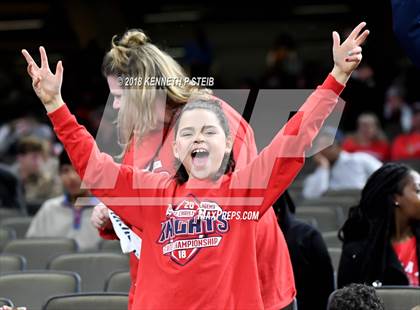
point(403, 229)
point(73, 198)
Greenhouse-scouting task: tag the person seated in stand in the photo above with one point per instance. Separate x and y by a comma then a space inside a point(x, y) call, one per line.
point(337, 169)
point(62, 217)
point(407, 146)
point(368, 138)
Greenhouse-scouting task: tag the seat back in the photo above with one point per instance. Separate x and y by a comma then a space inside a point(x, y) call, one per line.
point(39, 251)
point(102, 301)
point(5, 302)
point(335, 254)
point(118, 281)
point(6, 234)
point(331, 239)
point(20, 224)
point(399, 297)
point(12, 262)
point(326, 217)
point(93, 268)
point(33, 288)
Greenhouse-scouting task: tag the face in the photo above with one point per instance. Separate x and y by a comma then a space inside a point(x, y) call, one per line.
point(409, 200)
point(71, 180)
point(31, 162)
point(331, 152)
point(201, 143)
point(367, 127)
point(115, 90)
point(163, 115)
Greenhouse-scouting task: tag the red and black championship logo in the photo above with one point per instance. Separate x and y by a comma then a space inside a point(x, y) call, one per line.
point(190, 226)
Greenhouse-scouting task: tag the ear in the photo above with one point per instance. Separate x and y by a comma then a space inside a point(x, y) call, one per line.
point(396, 200)
point(175, 150)
point(229, 144)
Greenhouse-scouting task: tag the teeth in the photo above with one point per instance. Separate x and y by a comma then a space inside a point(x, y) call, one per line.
point(200, 151)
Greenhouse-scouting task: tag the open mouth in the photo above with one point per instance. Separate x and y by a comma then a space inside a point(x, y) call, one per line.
point(199, 157)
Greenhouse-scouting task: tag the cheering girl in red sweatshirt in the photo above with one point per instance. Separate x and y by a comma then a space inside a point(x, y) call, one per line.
point(197, 249)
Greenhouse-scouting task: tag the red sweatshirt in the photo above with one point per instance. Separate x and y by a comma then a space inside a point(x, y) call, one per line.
point(188, 262)
point(274, 266)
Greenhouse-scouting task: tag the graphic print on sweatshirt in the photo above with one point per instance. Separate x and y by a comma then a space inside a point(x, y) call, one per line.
point(191, 226)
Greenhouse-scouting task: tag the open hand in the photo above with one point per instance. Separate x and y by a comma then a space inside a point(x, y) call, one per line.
point(348, 55)
point(47, 85)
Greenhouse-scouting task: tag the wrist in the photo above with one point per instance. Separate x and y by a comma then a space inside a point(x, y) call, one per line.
point(54, 104)
point(340, 75)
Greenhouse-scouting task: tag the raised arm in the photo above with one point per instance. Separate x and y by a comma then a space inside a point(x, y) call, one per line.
point(279, 163)
point(83, 151)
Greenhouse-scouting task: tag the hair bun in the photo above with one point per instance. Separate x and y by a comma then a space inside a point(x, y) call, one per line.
point(134, 38)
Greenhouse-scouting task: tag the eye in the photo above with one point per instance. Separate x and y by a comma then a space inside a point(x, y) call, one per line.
point(210, 132)
point(186, 134)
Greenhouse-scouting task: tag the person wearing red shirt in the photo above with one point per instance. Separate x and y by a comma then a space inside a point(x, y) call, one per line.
point(368, 138)
point(154, 152)
point(407, 146)
point(381, 237)
point(180, 240)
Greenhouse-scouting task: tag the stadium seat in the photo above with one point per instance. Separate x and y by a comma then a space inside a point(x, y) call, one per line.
point(19, 224)
point(94, 268)
point(308, 220)
point(118, 281)
point(327, 218)
point(9, 212)
point(100, 301)
point(33, 288)
point(39, 251)
point(399, 297)
point(6, 234)
point(110, 246)
point(331, 239)
point(5, 302)
point(335, 254)
point(11, 263)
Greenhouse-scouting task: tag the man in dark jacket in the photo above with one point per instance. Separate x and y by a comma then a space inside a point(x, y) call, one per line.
point(312, 268)
point(406, 15)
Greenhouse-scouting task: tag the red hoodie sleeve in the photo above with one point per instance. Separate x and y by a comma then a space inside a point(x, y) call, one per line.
point(279, 163)
point(109, 181)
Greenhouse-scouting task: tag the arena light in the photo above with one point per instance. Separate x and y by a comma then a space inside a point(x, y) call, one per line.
point(172, 17)
point(27, 24)
point(322, 9)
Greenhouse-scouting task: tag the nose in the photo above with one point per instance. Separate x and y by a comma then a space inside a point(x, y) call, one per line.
point(199, 137)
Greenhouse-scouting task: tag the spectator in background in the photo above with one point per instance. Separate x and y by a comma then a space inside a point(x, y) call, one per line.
point(407, 146)
point(312, 268)
point(382, 233)
point(37, 173)
point(12, 132)
point(337, 169)
point(60, 217)
point(284, 67)
point(397, 113)
point(355, 297)
point(368, 138)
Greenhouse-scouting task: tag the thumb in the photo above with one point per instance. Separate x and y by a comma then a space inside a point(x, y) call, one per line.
point(336, 39)
point(59, 70)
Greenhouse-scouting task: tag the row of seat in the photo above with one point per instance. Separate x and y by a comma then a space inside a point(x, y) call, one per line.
point(94, 268)
point(67, 297)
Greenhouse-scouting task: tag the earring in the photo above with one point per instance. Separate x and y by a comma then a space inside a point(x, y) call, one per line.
point(396, 203)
